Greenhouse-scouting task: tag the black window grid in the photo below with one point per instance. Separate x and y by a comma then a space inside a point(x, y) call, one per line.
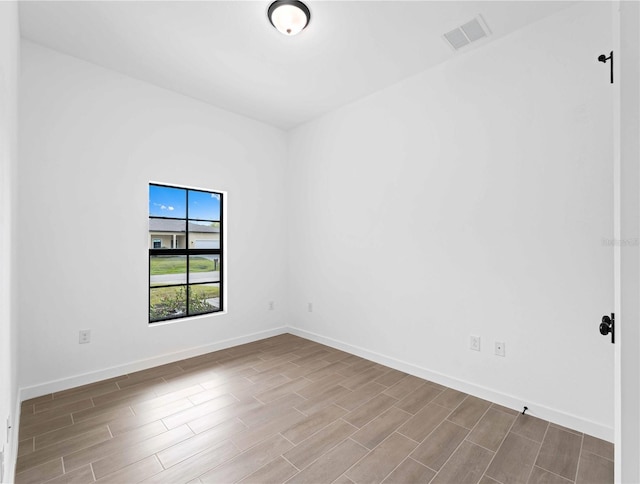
point(190, 252)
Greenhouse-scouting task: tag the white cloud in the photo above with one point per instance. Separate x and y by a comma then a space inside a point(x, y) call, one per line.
point(162, 207)
point(215, 195)
point(170, 208)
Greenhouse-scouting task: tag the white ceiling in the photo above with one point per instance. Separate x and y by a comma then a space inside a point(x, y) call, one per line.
point(227, 53)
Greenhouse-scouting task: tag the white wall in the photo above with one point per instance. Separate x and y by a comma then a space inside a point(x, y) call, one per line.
point(90, 141)
point(471, 199)
point(9, 56)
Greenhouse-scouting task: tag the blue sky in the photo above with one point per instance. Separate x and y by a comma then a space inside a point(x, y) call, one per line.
point(172, 202)
point(204, 205)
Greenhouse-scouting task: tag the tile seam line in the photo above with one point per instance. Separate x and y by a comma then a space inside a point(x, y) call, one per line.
point(462, 441)
point(579, 457)
point(546, 430)
point(498, 449)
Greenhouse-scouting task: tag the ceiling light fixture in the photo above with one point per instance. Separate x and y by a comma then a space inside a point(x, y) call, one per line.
point(289, 16)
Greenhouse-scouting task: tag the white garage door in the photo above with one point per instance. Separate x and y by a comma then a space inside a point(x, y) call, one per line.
point(207, 244)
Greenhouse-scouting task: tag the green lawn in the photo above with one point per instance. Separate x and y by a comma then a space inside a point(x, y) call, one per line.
point(178, 265)
point(204, 292)
point(199, 291)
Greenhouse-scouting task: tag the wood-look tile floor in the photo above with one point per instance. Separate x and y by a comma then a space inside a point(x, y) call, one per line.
point(286, 409)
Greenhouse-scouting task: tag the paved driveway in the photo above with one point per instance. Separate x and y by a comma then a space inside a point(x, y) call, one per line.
point(212, 276)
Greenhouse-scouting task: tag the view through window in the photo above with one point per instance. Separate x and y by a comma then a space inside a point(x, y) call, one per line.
point(185, 252)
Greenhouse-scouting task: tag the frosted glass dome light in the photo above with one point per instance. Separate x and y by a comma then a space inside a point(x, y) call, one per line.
point(289, 16)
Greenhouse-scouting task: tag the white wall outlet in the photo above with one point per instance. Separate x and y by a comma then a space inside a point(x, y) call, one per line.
point(272, 305)
point(84, 336)
point(500, 348)
point(310, 307)
point(474, 343)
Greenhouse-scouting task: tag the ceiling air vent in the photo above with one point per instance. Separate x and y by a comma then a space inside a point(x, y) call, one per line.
point(474, 30)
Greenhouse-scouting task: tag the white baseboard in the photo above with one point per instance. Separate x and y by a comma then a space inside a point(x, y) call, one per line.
point(95, 376)
point(552, 415)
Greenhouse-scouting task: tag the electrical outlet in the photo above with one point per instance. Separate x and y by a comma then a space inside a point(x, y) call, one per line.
point(272, 306)
point(500, 350)
point(310, 307)
point(84, 336)
point(474, 343)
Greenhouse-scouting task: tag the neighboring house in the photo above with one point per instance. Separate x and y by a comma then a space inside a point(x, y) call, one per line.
point(171, 234)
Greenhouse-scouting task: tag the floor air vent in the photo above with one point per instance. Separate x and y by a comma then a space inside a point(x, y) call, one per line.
point(474, 30)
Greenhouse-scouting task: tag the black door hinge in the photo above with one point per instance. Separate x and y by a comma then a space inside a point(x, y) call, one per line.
point(608, 325)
